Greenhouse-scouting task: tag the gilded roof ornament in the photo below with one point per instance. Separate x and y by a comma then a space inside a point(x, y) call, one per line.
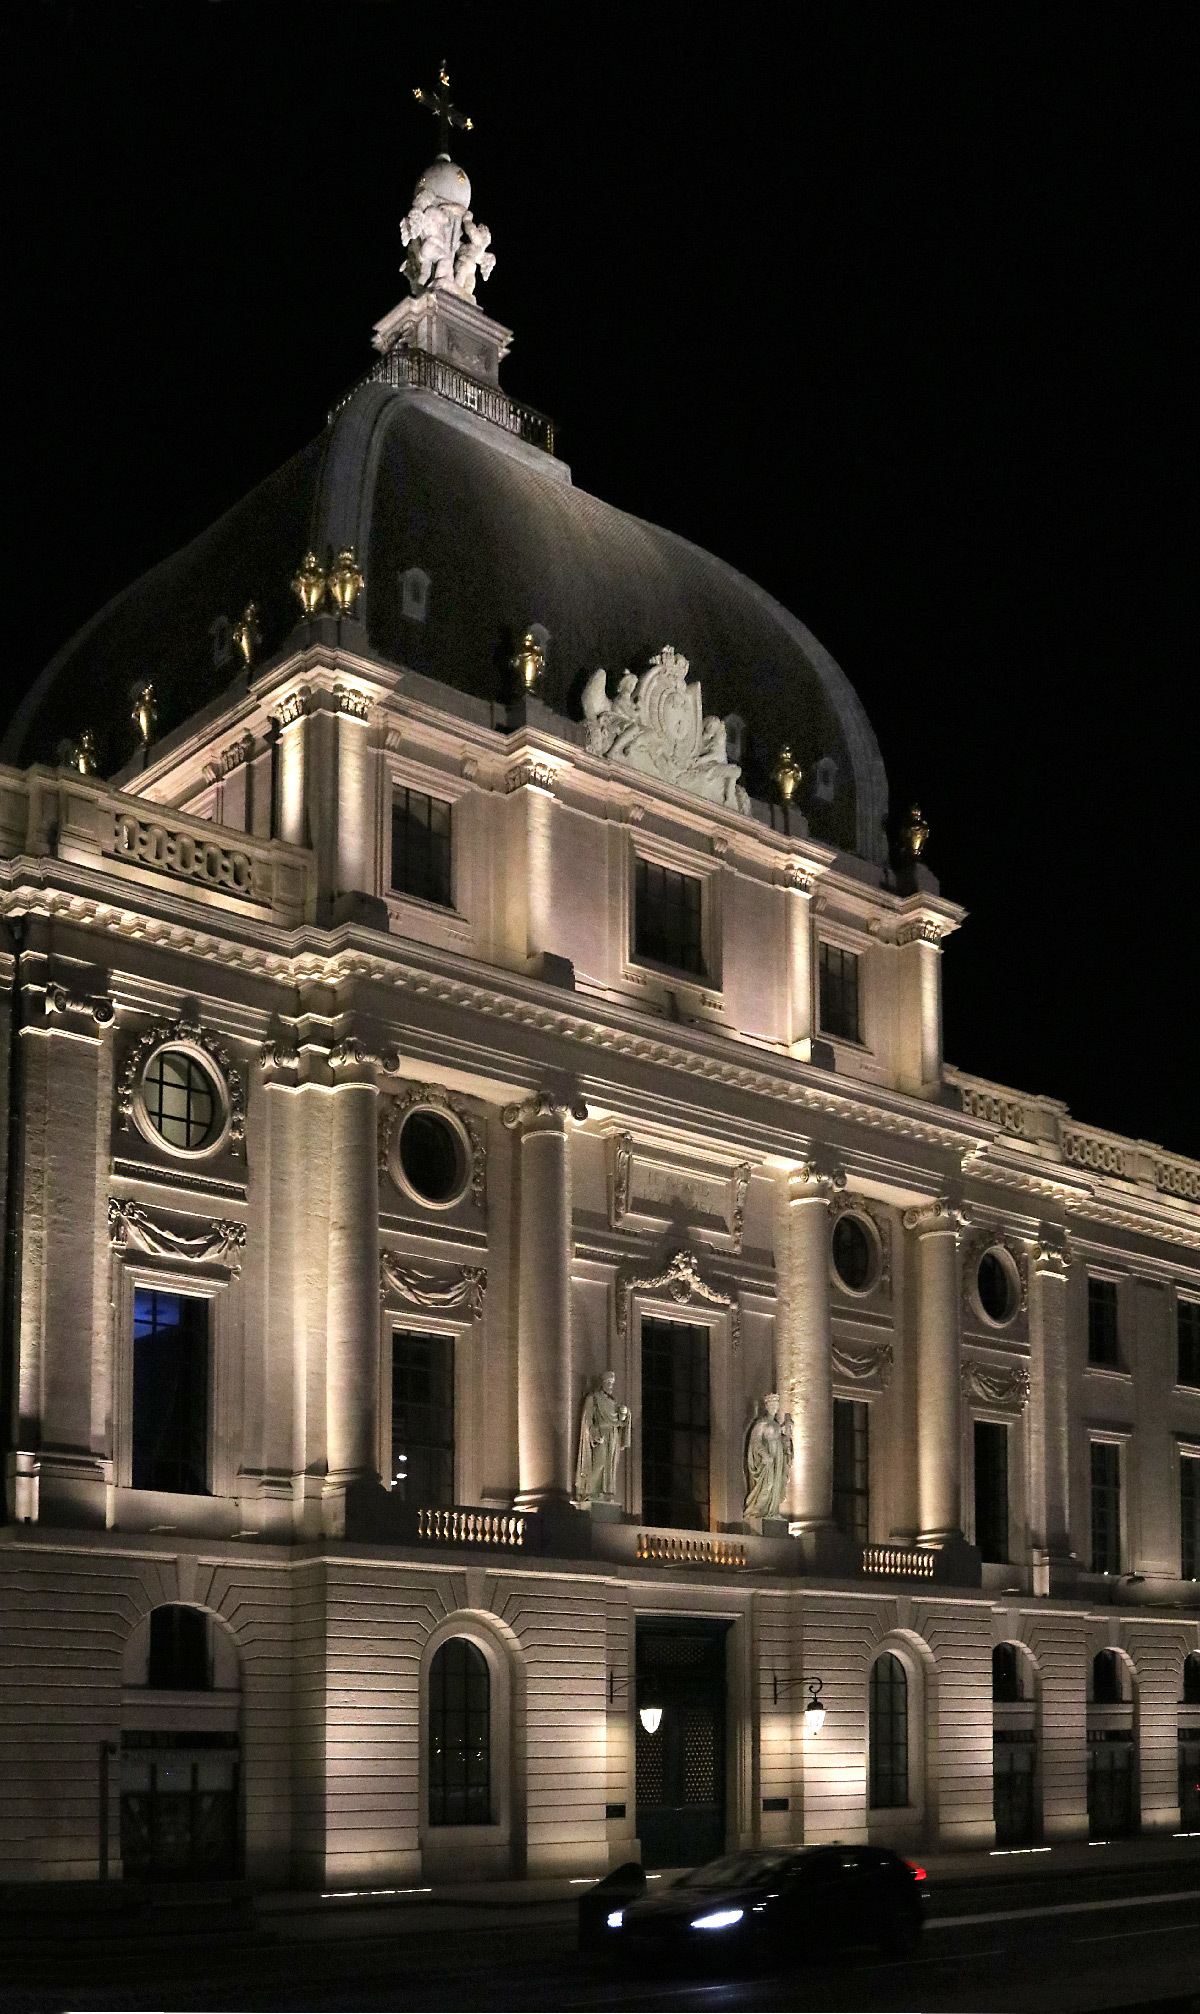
point(345, 581)
point(786, 774)
point(145, 711)
point(915, 833)
point(247, 634)
point(446, 245)
point(310, 584)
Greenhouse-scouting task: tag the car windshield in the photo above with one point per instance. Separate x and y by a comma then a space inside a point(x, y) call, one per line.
point(738, 1870)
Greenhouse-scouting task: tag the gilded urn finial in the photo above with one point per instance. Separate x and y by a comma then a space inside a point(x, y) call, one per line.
point(915, 833)
point(310, 584)
point(83, 753)
point(345, 581)
point(529, 662)
point(145, 711)
point(246, 633)
point(786, 774)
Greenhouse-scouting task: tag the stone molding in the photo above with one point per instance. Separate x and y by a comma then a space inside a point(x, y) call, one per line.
point(621, 1152)
point(131, 1224)
point(347, 701)
point(923, 931)
point(463, 1288)
point(872, 1364)
point(188, 1034)
point(938, 1215)
point(294, 706)
point(808, 1183)
point(683, 1281)
point(99, 1006)
point(1051, 1254)
point(393, 1111)
point(531, 771)
point(1006, 1386)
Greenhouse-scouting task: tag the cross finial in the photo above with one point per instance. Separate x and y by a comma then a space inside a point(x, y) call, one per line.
point(446, 114)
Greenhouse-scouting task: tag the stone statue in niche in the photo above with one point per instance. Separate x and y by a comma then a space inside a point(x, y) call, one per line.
point(657, 724)
point(603, 1438)
point(769, 1450)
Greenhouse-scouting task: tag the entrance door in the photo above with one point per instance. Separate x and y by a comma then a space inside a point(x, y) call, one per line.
point(1189, 1779)
point(179, 1806)
point(681, 1765)
point(1013, 1759)
point(1110, 1786)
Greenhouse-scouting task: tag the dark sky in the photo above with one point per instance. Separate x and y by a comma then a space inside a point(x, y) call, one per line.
point(888, 305)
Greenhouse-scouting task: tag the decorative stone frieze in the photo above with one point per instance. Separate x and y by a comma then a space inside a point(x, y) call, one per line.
point(532, 772)
point(1004, 1385)
point(294, 706)
point(657, 724)
point(543, 1105)
point(215, 1243)
point(464, 1287)
point(870, 1365)
point(682, 1280)
point(356, 704)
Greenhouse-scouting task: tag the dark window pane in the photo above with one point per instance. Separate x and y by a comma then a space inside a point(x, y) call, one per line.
point(991, 1490)
point(421, 846)
point(423, 1419)
point(838, 975)
point(888, 1734)
point(1188, 1320)
point(1191, 1680)
point(667, 917)
point(851, 1469)
point(1189, 1518)
point(853, 1253)
point(179, 1650)
point(431, 1155)
point(675, 1425)
point(1106, 1678)
point(459, 1735)
point(1103, 1341)
point(997, 1294)
point(1006, 1672)
point(1106, 1508)
point(180, 1100)
point(170, 1392)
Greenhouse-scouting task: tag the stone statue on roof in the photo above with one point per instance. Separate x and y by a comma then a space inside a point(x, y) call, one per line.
point(446, 247)
point(657, 724)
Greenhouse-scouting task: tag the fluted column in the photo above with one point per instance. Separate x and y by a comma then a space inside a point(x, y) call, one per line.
point(1049, 1438)
point(545, 1427)
point(352, 1319)
point(935, 1230)
point(805, 1367)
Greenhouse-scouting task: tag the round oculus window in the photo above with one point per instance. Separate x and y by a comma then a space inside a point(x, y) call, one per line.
point(997, 1286)
point(183, 1102)
point(433, 1157)
point(855, 1249)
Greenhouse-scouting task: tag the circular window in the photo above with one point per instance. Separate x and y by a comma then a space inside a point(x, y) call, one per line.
point(434, 1161)
point(182, 1100)
point(855, 1250)
point(997, 1286)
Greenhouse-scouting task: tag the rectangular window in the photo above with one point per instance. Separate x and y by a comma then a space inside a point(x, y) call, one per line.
point(675, 1425)
point(1187, 1317)
point(667, 917)
point(421, 846)
point(991, 1490)
point(851, 1469)
point(839, 992)
point(1103, 1341)
point(170, 1392)
point(423, 1419)
point(1106, 1508)
point(1189, 1517)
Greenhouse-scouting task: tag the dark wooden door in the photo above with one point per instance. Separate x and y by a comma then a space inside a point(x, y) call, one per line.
point(681, 1765)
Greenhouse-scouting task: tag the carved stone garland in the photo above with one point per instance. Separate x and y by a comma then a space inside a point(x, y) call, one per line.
point(845, 1200)
point(681, 1278)
point(465, 1287)
point(1005, 1385)
point(158, 1036)
point(393, 1111)
point(871, 1364)
point(215, 1243)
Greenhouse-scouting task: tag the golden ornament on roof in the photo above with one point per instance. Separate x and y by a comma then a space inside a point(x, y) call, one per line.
point(529, 662)
point(786, 774)
point(310, 584)
point(915, 833)
point(345, 581)
point(83, 753)
point(145, 711)
point(246, 633)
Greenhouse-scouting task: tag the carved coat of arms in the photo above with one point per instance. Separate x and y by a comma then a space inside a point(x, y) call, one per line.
point(656, 723)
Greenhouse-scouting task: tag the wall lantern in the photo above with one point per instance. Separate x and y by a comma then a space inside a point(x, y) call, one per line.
point(814, 1711)
point(650, 1717)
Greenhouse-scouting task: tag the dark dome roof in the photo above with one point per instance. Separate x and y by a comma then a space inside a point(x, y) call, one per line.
point(504, 541)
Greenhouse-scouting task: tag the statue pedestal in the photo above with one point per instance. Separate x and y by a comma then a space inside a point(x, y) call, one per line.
point(603, 1513)
point(446, 324)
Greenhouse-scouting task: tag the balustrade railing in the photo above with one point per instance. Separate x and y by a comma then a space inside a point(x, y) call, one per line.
point(689, 1549)
point(905, 1563)
point(1047, 1124)
point(471, 1527)
point(402, 367)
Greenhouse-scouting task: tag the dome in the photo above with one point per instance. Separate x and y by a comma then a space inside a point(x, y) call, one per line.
point(443, 182)
point(468, 537)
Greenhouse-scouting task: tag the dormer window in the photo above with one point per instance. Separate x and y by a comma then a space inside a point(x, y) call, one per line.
point(668, 915)
point(414, 594)
point(840, 991)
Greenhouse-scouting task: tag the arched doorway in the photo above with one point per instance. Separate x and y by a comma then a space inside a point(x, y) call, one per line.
point(1112, 1795)
point(1189, 1746)
point(1014, 1747)
point(180, 1749)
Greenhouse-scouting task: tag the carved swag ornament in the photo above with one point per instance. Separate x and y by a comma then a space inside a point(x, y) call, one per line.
point(215, 1243)
point(681, 1278)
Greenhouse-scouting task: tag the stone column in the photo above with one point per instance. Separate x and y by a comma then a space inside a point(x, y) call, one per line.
point(799, 1004)
point(805, 1351)
point(1049, 1415)
point(935, 1229)
point(545, 1422)
point(352, 1319)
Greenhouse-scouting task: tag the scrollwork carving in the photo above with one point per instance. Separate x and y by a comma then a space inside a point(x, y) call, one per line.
point(682, 1280)
point(189, 1034)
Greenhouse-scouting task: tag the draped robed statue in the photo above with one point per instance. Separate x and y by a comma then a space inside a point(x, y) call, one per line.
point(603, 1437)
point(768, 1459)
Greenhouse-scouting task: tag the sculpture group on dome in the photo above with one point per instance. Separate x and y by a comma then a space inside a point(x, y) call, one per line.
point(657, 724)
point(446, 246)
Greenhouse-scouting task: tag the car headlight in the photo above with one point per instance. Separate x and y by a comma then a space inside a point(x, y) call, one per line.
point(721, 1919)
point(615, 1918)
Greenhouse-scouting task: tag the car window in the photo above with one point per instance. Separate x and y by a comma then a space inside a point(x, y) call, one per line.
point(737, 1870)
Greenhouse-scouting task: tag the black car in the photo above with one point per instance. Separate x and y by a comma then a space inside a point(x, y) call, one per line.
point(774, 1906)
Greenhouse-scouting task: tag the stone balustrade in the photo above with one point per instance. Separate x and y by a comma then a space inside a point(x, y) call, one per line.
point(1048, 1125)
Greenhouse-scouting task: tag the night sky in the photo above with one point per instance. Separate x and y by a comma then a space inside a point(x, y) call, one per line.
point(891, 306)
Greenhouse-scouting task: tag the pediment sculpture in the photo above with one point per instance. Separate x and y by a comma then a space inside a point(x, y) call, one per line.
point(657, 724)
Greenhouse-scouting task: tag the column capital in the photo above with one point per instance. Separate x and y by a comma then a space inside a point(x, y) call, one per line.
point(1051, 1254)
point(806, 1183)
point(939, 1215)
point(543, 1112)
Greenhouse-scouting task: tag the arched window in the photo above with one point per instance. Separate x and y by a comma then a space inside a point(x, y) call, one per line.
point(1006, 1673)
point(460, 1711)
point(1106, 1679)
point(179, 1658)
point(1191, 1680)
point(889, 1733)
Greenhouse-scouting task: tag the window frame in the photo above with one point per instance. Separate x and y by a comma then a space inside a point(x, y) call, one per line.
point(433, 922)
point(1189, 1465)
point(892, 1804)
point(138, 1270)
point(151, 1488)
point(860, 1494)
point(829, 942)
point(992, 1425)
point(447, 1338)
point(646, 864)
point(196, 1053)
point(1116, 1365)
point(409, 789)
point(470, 1425)
point(442, 1846)
point(1117, 1444)
point(477, 1820)
point(704, 989)
point(1192, 1304)
point(698, 1329)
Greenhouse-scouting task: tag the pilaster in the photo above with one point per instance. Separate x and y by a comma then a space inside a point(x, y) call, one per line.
point(544, 1354)
point(935, 1229)
point(805, 1368)
point(1049, 1411)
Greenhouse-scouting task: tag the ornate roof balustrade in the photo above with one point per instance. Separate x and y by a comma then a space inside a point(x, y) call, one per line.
point(1046, 1124)
point(59, 815)
point(405, 368)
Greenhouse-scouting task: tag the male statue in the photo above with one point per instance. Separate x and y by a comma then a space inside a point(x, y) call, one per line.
point(603, 1438)
point(769, 1450)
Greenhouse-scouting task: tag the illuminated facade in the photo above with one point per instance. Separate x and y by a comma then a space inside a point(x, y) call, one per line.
point(418, 1028)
